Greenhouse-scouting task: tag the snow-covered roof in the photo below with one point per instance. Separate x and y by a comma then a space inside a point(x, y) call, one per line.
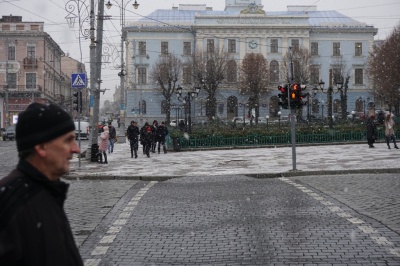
point(187, 17)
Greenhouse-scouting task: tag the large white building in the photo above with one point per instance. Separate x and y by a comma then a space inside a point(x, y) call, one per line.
point(337, 44)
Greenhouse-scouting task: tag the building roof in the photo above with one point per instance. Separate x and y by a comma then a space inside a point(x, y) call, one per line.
point(330, 18)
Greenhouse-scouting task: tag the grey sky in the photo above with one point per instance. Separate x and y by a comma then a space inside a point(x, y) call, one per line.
point(383, 15)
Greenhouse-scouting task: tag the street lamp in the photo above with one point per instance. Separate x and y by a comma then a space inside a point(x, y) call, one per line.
point(122, 73)
point(267, 117)
point(329, 92)
point(187, 101)
point(244, 112)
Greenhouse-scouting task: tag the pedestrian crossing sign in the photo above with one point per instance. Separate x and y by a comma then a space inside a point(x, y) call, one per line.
point(78, 80)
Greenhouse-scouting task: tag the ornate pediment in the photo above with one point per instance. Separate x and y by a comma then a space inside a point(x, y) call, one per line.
point(252, 9)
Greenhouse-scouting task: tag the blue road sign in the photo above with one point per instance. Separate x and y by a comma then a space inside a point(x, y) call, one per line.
point(78, 80)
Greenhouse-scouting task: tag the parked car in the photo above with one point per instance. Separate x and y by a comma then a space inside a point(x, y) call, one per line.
point(239, 120)
point(84, 133)
point(9, 133)
point(173, 122)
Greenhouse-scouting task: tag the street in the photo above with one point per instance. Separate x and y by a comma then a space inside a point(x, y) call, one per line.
point(238, 220)
point(235, 219)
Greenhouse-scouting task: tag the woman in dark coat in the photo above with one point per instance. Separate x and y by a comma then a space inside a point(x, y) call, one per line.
point(371, 131)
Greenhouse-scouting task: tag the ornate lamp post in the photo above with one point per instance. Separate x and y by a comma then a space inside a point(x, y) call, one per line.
point(329, 98)
point(122, 8)
point(187, 101)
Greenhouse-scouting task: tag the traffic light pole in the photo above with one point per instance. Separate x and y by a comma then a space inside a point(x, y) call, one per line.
point(292, 114)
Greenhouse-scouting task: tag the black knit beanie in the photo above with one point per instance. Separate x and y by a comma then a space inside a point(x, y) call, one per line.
point(40, 123)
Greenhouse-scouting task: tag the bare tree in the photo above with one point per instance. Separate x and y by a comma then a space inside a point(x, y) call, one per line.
point(209, 70)
point(384, 68)
point(301, 60)
point(165, 73)
point(254, 79)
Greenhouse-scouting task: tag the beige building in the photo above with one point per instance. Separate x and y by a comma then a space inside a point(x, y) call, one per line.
point(30, 68)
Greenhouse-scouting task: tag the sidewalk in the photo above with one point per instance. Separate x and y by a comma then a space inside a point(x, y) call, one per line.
point(258, 162)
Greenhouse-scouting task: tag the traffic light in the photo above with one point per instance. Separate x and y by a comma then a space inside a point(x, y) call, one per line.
point(283, 96)
point(77, 101)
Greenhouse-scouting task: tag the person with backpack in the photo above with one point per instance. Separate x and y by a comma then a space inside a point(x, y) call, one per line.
point(146, 138)
point(162, 132)
point(111, 137)
point(133, 137)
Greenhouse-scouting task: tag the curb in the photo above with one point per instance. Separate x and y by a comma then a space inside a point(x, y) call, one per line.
point(261, 175)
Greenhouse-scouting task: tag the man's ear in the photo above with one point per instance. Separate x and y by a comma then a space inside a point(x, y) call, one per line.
point(40, 149)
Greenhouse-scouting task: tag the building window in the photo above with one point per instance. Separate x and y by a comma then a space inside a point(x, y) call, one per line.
point(336, 49)
point(12, 80)
point(220, 108)
point(20, 27)
point(31, 80)
point(164, 48)
point(231, 74)
point(336, 106)
point(295, 45)
point(359, 79)
point(31, 52)
point(231, 46)
point(336, 76)
point(5, 27)
point(314, 75)
point(35, 27)
point(315, 106)
point(274, 71)
point(186, 74)
point(142, 75)
point(210, 45)
point(274, 46)
point(314, 48)
point(358, 49)
point(142, 107)
point(142, 48)
point(187, 48)
point(163, 106)
point(11, 52)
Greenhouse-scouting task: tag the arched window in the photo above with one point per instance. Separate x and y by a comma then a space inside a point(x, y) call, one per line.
point(231, 74)
point(274, 71)
point(142, 107)
point(359, 105)
point(336, 106)
point(232, 107)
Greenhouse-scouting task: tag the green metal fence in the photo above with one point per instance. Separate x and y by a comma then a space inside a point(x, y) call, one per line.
point(267, 140)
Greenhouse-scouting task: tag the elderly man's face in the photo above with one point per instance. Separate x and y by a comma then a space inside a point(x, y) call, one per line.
point(58, 153)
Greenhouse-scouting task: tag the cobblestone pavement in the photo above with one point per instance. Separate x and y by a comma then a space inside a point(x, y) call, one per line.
point(89, 201)
point(376, 196)
point(238, 220)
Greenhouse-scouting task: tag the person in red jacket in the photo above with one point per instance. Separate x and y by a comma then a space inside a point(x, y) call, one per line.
point(34, 229)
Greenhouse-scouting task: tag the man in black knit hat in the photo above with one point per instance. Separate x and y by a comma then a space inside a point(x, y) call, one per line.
point(34, 229)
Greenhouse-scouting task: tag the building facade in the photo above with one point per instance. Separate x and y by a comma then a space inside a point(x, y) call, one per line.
point(30, 68)
point(338, 45)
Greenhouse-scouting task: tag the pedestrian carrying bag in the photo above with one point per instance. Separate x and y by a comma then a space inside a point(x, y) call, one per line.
point(115, 140)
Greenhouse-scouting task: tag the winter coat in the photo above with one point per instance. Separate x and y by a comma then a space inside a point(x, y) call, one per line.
point(103, 141)
point(389, 124)
point(34, 229)
point(112, 132)
point(162, 132)
point(146, 135)
point(371, 129)
point(133, 133)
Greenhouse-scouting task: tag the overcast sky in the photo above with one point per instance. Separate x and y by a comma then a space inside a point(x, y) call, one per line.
point(383, 14)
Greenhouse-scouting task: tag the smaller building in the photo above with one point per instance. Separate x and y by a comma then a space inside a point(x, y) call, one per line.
point(30, 67)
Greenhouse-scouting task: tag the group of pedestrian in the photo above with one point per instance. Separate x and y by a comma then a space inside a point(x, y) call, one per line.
point(372, 133)
point(148, 136)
